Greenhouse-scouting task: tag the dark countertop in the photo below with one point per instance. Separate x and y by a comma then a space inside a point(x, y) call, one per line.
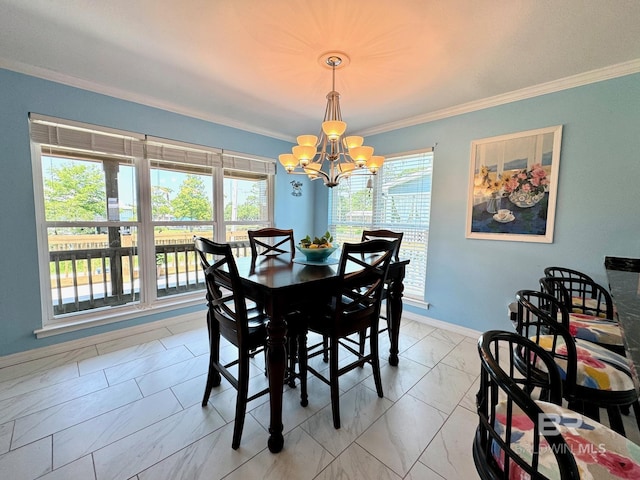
point(624, 283)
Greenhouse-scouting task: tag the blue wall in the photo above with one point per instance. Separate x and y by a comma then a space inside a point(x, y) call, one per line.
point(468, 282)
point(20, 312)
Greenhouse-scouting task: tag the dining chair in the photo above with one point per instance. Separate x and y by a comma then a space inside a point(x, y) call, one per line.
point(271, 242)
point(583, 292)
point(566, 273)
point(596, 329)
point(352, 307)
point(522, 434)
point(593, 377)
point(386, 235)
point(228, 315)
point(508, 429)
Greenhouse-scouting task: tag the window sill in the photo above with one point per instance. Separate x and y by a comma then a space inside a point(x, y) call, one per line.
point(106, 318)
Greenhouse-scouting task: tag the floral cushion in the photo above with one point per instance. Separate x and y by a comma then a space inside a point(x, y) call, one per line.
point(589, 303)
point(595, 329)
point(595, 368)
point(599, 452)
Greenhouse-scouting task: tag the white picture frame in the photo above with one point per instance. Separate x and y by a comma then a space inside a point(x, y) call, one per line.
point(513, 182)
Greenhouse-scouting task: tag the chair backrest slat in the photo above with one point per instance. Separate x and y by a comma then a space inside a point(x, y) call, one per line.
point(543, 319)
point(564, 272)
point(580, 295)
point(271, 242)
point(362, 271)
point(225, 297)
point(385, 235)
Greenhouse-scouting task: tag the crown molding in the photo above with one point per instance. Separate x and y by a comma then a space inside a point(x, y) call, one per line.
point(145, 100)
point(593, 76)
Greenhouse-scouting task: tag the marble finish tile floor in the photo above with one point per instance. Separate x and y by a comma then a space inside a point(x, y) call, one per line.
point(130, 410)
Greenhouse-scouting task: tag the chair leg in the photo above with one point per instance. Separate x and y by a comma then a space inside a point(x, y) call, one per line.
point(266, 357)
point(213, 377)
point(388, 319)
point(363, 339)
point(544, 393)
point(333, 380)
point(636, 412)
point(292, 349)
point(241, 399)
point(213, 380)
point(585, 408)
point(325, 348)
point(375, 363)
point(591, 411)
point(302, 368)
point(615, 420)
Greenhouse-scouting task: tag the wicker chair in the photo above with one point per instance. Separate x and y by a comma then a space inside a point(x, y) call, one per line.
point(523, 430)
point(593, 376)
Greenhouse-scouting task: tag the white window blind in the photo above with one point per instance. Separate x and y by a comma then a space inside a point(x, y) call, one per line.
point(399, 200)
point(118, 211)
point(76, 136)
point(238, 161)
point(180, 152)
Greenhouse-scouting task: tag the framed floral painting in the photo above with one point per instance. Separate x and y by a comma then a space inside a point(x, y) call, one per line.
point(513, 181)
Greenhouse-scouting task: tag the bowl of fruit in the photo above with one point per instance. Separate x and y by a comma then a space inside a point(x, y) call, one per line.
point(317, 249)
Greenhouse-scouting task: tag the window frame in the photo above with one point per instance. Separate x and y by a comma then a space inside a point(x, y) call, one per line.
point(149, 300)
point(261, 223)
point(375, 220)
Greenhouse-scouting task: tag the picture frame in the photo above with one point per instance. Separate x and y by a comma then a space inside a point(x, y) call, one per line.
point(513, 182)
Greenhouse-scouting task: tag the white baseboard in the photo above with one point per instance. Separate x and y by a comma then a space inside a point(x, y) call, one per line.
point(468, 332)
point(63, 347)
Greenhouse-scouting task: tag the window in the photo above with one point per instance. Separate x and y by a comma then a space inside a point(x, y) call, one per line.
point(398, 198)
point(247, 204)
point(182, 205)
point(118, 211)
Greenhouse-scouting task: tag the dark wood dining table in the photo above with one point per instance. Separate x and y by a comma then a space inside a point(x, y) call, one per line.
point(278, 282)
point(623, 275)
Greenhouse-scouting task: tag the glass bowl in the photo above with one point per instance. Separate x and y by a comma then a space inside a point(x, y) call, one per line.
point(316, 254)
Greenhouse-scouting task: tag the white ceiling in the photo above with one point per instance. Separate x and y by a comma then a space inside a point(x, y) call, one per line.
point(253, 64)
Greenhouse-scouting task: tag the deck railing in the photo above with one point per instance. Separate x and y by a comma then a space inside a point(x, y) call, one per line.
point(87, 279)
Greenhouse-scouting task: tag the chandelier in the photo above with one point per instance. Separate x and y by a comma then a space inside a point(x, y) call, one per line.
point(332, 155)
